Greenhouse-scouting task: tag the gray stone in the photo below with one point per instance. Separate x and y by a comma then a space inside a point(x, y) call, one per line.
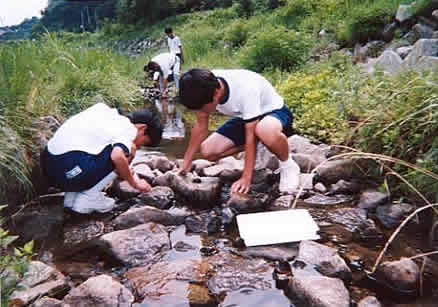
point(422, 31)
point(243, 203)
point(47, 302)
point(319, 200)
point(201, 191)
point(335, 170)
point(273, 253)
point(319, 291)
point(227, 163)
point(144, 172)
point(369, 301)
point(301, 145)
point(138, 216)
point(160, 162)
point(389, 61)
point(319, 187)
point(372, 199)
point(344, 187)
point(282, 203)
point(200, 164)
point(124, 190)
point(326, 260)
point(38, 281)
point(178, 281)
point(404, 51)
point(101, 291)
point(350, 218)
point(392, 215)
point(230, 273)
point(424, 47)
point(403, 274)
point(136, 246)
point(159, 197)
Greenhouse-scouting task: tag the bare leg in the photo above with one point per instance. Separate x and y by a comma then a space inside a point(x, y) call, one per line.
point(269, 131)
point(217, 146)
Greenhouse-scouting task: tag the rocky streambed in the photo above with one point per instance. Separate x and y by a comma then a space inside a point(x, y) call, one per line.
point(179, 245)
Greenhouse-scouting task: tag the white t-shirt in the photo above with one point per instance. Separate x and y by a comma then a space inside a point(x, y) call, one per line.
point(250, 96)
point(166, 61)
point(92, 130)
point(174, 44)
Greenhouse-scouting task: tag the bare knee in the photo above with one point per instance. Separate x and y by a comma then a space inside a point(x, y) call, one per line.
point(208, 153)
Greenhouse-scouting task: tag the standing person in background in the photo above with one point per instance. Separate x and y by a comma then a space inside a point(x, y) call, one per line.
point(164, 68)
point(259, 115)
point(174, 44)
point(92, 148)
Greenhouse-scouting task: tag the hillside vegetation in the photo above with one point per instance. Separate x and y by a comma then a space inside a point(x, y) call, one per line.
point(61, 73)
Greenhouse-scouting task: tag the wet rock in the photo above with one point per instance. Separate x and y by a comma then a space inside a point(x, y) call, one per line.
point(214, 224)
point(388, 31)
point(373, 48)
point(282, 203)
point(403, 275)
point(227, 163)
point(344, 187)
point(136, 246)
point(273, 253)
point(307, 162)
point(201, 191)
point(123, 190)
point(231, 272)
point(40, 220)
point(137, 216)
point(145, 172)
point(160, 162)
point(423, 47)
point(81, 235)
point(335, 170)
point(38, 281)
point(227, 215)
point(194, 223)
point(101, 290)
point(47, 302)
point(244, 203)
point(176, 281)
point(319, 200)
point(200, 164)
point(335, 233)
point(159, 197)
point(368, 233)
point(319, 291)
point(392, 215)
point(326, 260)
point(355, 220)
point(369, 301)
point(262, 180)
point(372, 199)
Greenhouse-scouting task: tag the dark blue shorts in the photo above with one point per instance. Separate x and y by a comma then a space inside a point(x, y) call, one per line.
point(76, 171)
point(234, 128)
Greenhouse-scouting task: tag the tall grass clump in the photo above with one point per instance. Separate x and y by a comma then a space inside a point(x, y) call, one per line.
point(275, 47)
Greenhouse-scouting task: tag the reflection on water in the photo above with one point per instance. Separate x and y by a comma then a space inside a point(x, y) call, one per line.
point(171, 118)
point(251, 297)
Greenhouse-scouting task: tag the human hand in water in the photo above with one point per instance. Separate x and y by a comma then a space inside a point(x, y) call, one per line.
point(241, 185)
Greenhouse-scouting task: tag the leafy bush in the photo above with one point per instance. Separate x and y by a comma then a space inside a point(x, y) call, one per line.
point(366, 21)
point(293, 12)
point(238, 32)
point(275, 47)
point(315, 114)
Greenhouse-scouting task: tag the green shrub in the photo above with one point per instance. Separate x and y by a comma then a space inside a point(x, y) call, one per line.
point(275, 47)
point(237, 33)
point(366, 21)
point(315, 114)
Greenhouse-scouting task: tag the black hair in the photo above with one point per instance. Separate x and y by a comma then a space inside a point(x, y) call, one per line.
point(197, 87)
point(168, 30)
point(154, 129)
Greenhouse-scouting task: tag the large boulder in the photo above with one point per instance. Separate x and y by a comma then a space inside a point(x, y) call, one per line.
point(100, 291)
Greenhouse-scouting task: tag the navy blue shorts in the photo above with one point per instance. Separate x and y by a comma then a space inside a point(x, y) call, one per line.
point(76, 171)
point(234, 128)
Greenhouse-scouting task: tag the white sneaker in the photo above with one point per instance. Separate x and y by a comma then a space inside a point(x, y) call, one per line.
point(289, 177)
point(87, 202)
point(69, 199)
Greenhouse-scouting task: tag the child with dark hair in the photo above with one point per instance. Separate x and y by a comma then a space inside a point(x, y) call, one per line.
point(174, 44)
point(258, 116)
point(92, 148)
point(164, 68)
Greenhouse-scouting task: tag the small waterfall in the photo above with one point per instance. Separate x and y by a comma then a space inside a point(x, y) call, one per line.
point(171, 119)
